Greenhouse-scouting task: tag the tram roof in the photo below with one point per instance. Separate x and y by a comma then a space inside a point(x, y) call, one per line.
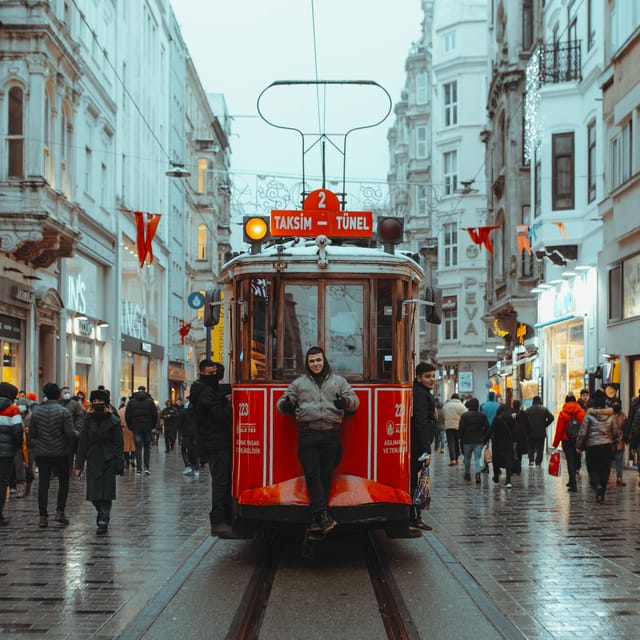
point(306, 258)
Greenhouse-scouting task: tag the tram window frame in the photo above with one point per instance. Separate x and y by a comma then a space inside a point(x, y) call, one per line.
point(398, 352)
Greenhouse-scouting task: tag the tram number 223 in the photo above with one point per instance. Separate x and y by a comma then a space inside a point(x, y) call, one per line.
point(399, 410)
point(243, 409)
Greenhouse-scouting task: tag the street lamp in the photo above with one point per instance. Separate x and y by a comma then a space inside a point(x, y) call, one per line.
point(177, 170)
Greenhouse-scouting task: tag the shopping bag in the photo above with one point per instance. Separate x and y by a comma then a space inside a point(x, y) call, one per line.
point(488, 456)
point(422, 494)
point(554, 464)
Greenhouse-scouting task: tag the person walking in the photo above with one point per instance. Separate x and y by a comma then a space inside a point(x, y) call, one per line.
point(619, 445)
point(169, 416)
point(423, 430)
point(566, 432)
point(539, 419)
point(188, 438)
point(10, 440)
point(501, 436)
point(521, 429)
point(214, 423)
point(128, 441)
point(51, 429)
point(597, 434)
point(452, 411)
point(141, 416)
point(319, 400)
point(473, 429)
point(101, 448)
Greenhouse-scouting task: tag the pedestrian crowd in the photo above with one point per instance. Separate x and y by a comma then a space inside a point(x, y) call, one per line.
point(498, 435)
point(66, 436)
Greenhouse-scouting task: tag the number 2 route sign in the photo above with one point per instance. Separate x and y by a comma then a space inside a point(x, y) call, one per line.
point(321, 215)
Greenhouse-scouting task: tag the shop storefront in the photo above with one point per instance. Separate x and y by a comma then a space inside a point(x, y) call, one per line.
point(566, 311)
point(11, 349)
point(85, 295)
point(141, 314)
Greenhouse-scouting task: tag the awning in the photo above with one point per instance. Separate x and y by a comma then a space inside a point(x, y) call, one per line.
point(548, 323)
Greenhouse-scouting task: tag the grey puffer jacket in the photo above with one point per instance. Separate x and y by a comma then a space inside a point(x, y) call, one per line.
point(314, 408)
point(598, 427)
point(51, 430)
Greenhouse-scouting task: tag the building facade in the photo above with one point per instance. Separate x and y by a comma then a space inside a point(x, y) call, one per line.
point(437, 184)
point(97, 103)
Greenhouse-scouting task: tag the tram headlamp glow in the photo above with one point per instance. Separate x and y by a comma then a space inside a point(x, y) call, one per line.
point(256, 228)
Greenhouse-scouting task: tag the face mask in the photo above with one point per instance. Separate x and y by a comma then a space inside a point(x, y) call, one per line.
point(98, 407)
point(66, 396)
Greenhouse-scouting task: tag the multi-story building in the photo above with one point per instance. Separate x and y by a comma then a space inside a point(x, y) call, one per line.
point(512, 270)
point(98, 102)
point(563, 142)
point(618, 263)
point(437, 184)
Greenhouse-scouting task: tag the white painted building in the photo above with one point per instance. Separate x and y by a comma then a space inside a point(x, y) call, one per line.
point(564, 143)
point(437, 183)
point(96, 101)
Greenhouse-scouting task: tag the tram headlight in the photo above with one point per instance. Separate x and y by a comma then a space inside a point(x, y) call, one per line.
point(255, 231)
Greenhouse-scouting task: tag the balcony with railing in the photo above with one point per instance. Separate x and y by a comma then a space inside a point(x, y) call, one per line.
point(560, 62)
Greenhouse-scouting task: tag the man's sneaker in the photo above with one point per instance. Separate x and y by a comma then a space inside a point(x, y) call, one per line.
point(327, 523)
point(508, 485)
point(139, 472)
point(147, 472)
point(419, 523)
point(196, 473)
point(186, 471)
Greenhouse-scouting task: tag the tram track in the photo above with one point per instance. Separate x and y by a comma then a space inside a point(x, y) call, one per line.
point(395, 615)
point(359, 584)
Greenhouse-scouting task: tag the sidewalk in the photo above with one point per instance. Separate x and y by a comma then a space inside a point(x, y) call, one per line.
point(66, 582)
point(558, 565)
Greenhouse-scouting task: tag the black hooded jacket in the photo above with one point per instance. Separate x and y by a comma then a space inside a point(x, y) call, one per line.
point(212, 412)
point(141, 414)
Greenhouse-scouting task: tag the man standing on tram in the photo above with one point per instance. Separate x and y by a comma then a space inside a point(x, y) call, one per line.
point(319, 399)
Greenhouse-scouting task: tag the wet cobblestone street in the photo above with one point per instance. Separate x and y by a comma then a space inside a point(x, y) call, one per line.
point(558, 565)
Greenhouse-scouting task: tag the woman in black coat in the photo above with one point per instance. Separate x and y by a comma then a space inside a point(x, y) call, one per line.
point(501, 436)
point(100, 446)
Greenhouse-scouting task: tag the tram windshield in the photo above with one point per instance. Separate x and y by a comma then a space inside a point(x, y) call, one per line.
point(356, 321)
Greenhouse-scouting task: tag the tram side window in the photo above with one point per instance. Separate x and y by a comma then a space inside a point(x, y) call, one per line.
point(344, 317)
point(260, 289)
point(384, 341)
point(300, 326)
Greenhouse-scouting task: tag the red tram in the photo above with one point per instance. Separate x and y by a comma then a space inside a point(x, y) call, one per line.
point(361, 306)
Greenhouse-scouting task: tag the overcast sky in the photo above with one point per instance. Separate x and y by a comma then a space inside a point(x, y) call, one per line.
point(239, 47)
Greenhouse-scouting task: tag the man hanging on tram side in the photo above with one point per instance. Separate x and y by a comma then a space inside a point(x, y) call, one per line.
point(319, 399)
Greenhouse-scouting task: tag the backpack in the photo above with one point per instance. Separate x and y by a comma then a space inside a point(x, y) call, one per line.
point(572, 428)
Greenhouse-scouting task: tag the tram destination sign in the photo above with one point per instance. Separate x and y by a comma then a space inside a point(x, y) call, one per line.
point(321, 216)
point(312, 223)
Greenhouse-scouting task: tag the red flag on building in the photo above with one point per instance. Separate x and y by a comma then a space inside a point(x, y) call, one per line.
point(480, 235)
point(146, 227)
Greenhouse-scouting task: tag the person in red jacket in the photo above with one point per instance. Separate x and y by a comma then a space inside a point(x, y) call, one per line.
point(570, 409)
point(10, 439)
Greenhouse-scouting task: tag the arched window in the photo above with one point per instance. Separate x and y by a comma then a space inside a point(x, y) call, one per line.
point(15, 133)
